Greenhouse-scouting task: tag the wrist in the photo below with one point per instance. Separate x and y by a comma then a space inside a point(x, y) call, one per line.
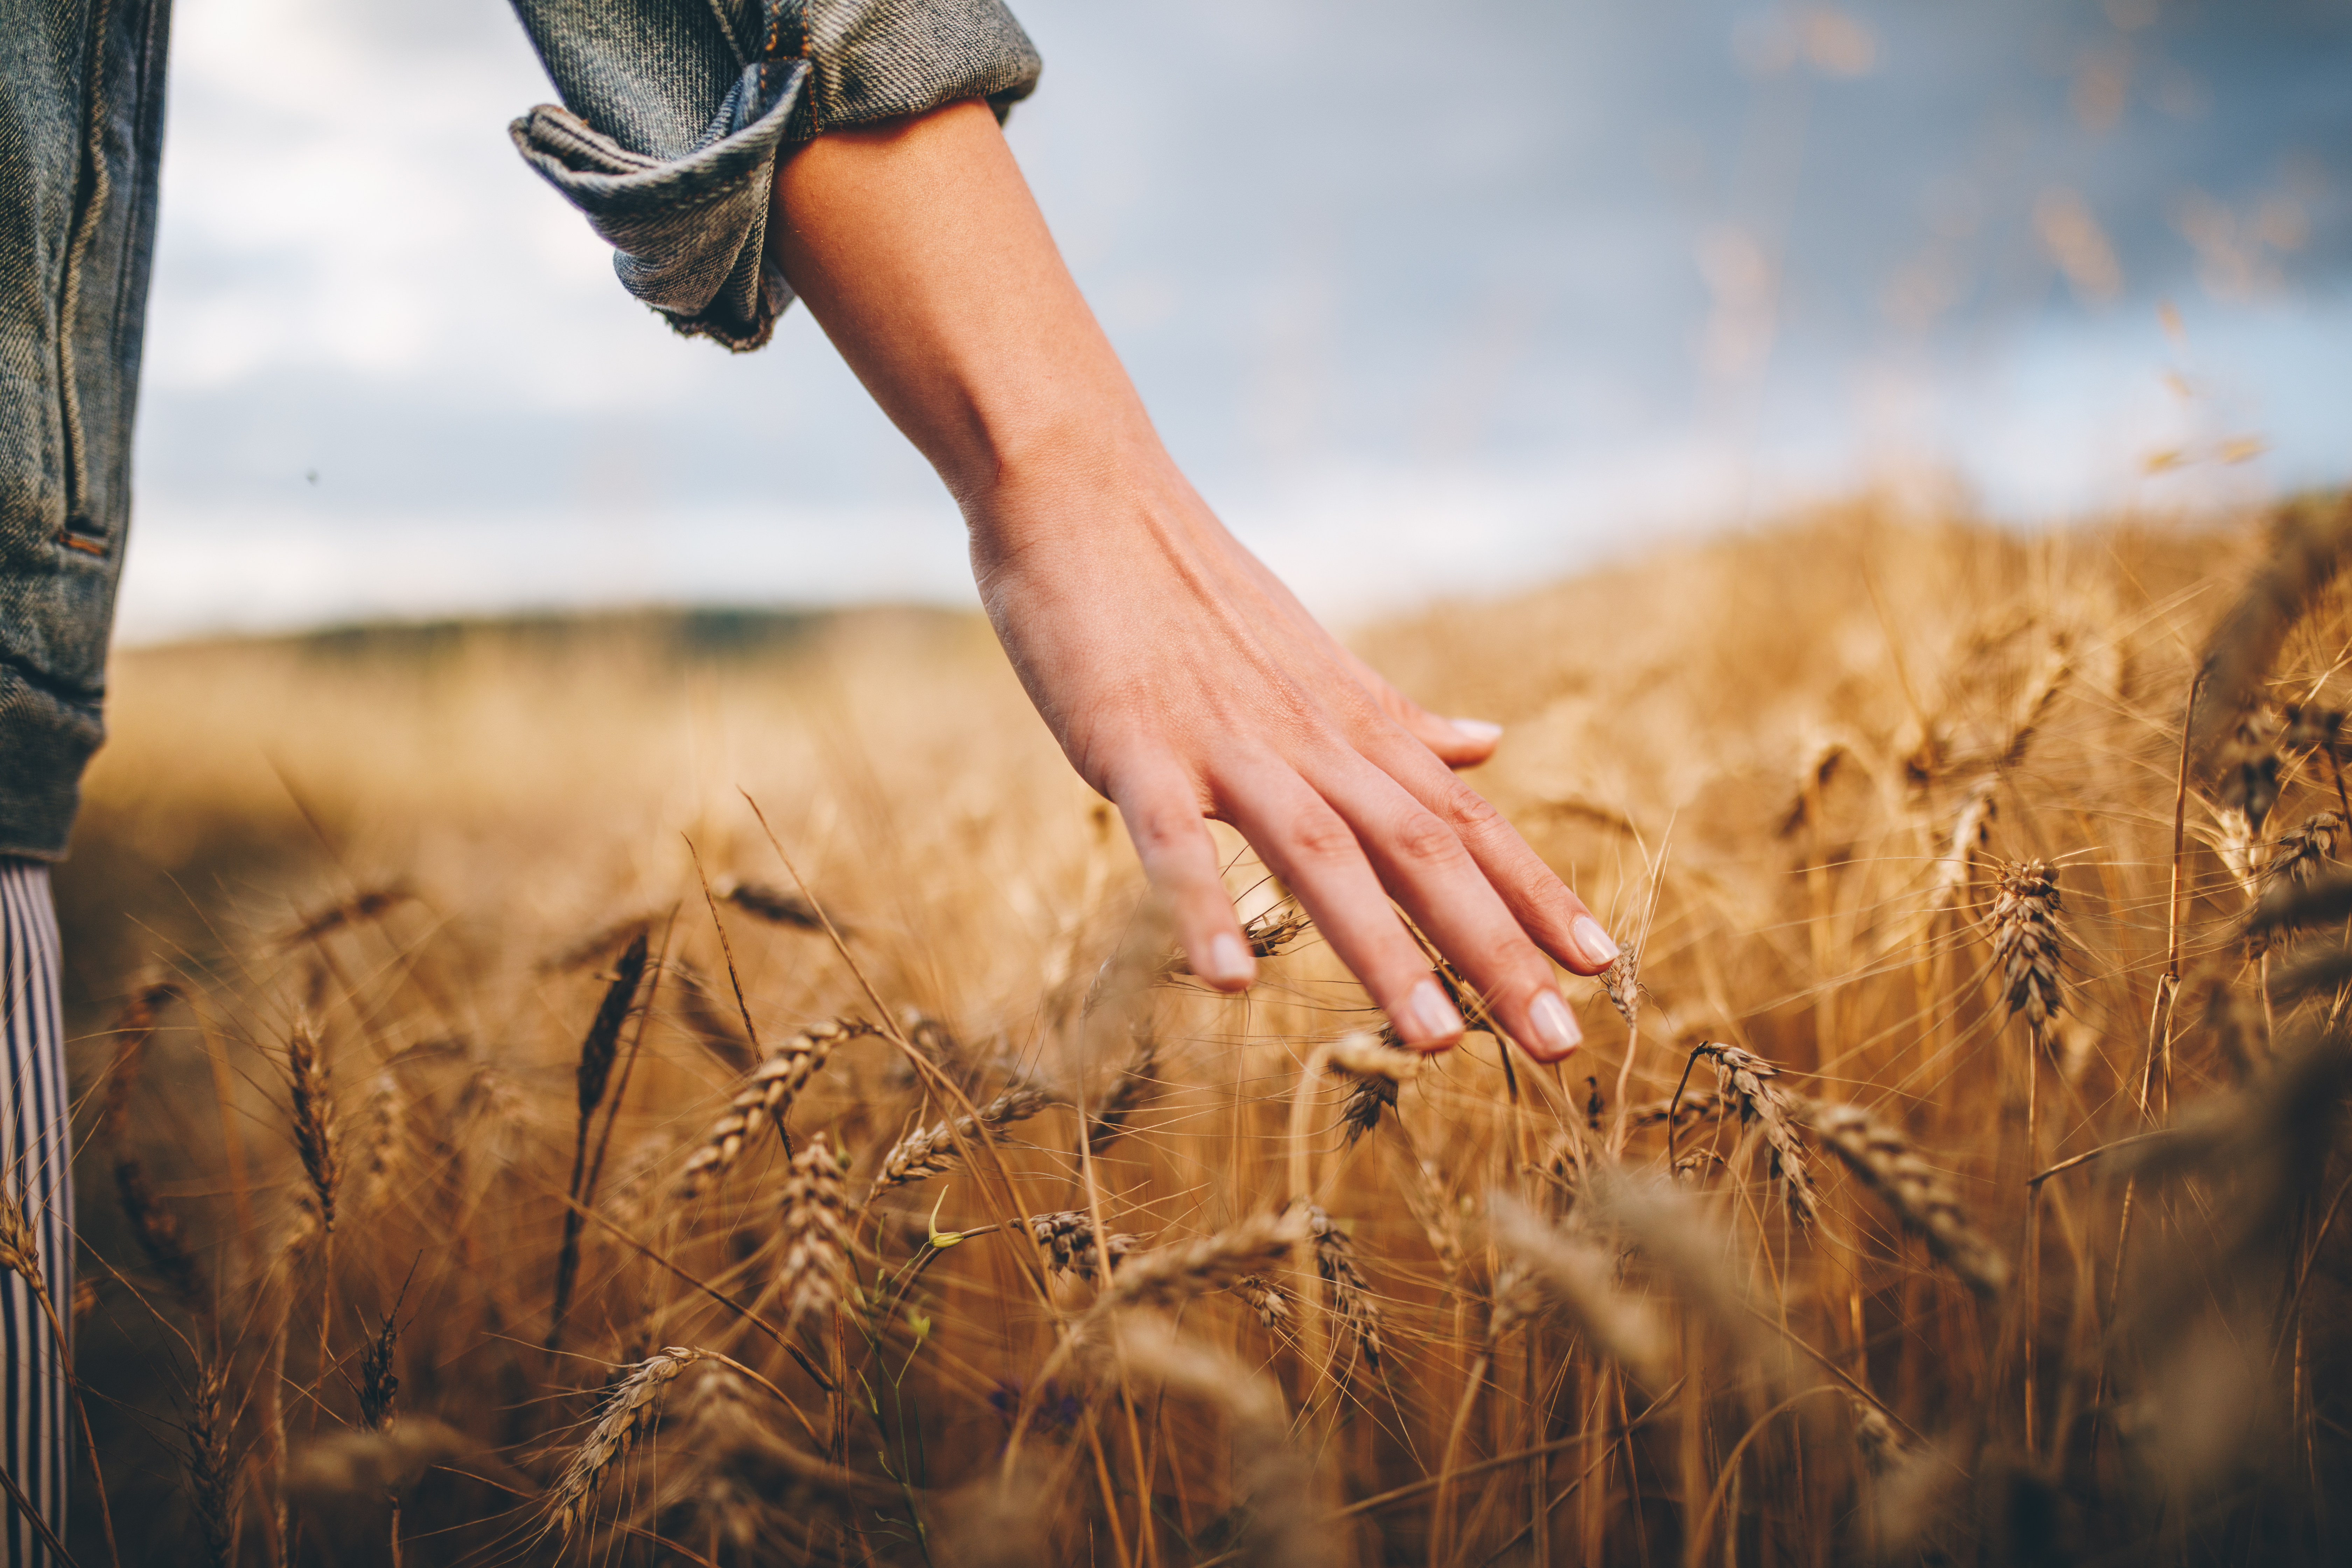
point(1051, 470)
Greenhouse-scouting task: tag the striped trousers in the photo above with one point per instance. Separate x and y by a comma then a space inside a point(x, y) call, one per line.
point(36, 1162)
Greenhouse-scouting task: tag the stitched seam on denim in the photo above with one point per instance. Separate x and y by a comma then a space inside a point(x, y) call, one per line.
point(727, 31)
point(89, 205)
point(139, 233)
point(48, 685)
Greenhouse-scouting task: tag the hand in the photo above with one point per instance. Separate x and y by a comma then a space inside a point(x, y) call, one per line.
point(1184, 682)
point(1180, 678)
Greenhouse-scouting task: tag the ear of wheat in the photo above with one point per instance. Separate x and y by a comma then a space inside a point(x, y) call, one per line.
point(1512, 1300)
point(2299, 855)
point(2290, 904)
point(1068, 1237)
point(625, 1413)
point(1267, 1298)
point(2307, 544)
point(814, 1216)
point(378, 1382)
point(1693, 1106)
point(1874, 1435)
point(20, 1243)
point(2025, 943)
point(212, 1474)
point(768, 1096)
point(1747, 1079)
point(369, 904)
point(1583, 1278)
point(932, 1151)
point(771, 904)
point(1622, 982)
point(1134, 1087)
point(1884, 1161)
point(1375, 1067)
point(315, 1132)
point(1350, 1295)
point(1171, 1275)
point(601, 1047)
point(386, 1141)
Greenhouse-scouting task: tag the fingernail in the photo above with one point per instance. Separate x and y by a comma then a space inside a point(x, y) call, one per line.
point(1477, 729)
point(1556, 1034)
point(1229, 961)
point(1430, 1016)
point(1599, 947)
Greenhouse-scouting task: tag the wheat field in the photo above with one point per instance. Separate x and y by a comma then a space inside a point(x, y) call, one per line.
point(711, 1089)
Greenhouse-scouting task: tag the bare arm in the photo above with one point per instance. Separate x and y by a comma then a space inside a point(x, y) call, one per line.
point(1181, 678)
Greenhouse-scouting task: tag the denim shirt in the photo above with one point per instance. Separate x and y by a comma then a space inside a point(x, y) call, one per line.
point(674, 114)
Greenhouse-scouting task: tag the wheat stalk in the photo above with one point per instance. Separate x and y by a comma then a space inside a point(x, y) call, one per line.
point(933, 1151)
point(315, 1132)
point(2307, 545)
point(1267, 1298)
point(1747, 1079)
point(2025, 943)
point(769, 1094)
point(1350, 1295)
point(773, 905)
point(1134, 1087)
point(626, 1411)
point(1276, 1525)
point(212, 1475)
point(156, 1229)
point(1883, 1159)
point(1375, 1067)
point(1068, 1237)
point(1583, 1278)
point(814, 1213)
point(1172, 1274)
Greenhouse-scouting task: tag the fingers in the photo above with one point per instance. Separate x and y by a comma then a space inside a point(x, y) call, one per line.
point(1163, 817)
point(1541, 904)
point(1427, 867)
point(1456, 742)
point(1305, 843)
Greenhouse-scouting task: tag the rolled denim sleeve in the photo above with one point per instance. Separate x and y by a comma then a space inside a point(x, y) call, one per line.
point(674, 112)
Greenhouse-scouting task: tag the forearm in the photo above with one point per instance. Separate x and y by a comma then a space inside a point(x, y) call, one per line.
point(1181, 680)
point(919, 250)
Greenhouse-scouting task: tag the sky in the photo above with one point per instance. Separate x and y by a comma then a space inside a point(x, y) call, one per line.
point(1427, 301)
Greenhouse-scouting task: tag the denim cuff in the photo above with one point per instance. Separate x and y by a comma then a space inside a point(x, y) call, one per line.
point(689, 235)
point(687, 214)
